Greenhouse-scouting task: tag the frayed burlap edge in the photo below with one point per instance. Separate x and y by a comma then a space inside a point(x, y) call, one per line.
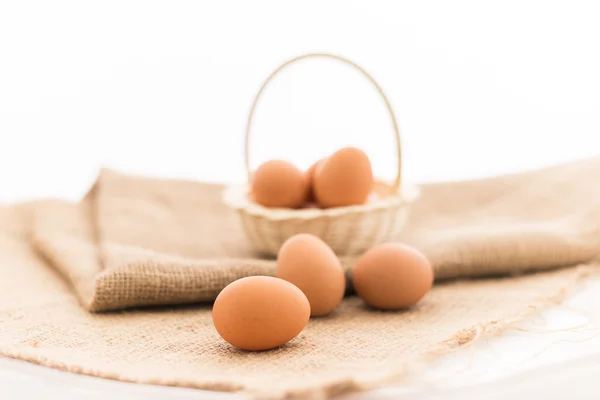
point(396, 374)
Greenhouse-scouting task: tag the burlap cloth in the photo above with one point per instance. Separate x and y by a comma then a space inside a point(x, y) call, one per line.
point(133, 241)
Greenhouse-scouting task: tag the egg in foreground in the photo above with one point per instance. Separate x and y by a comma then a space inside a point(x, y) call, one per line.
point(260, 313)
point(392, 276)
point(309, 263)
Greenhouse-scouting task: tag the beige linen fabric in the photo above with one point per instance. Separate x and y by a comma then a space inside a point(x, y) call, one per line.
point(138, 241)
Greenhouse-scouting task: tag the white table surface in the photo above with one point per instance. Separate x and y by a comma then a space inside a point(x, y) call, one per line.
point(163, 88)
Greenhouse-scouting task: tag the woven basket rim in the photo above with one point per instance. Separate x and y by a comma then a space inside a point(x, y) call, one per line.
point(235, 196)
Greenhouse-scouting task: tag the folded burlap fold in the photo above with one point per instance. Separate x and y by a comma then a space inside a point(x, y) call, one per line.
point(137, 241)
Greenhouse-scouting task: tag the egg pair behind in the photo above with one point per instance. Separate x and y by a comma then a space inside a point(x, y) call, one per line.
point(343, 179)
point(389, 276)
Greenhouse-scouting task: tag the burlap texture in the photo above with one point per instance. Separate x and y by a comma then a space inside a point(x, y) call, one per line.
point(138, 241)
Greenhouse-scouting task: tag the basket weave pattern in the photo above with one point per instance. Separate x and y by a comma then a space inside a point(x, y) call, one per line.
point(347, 230)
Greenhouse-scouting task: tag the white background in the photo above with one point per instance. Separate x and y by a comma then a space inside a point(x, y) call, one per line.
point(164, 88)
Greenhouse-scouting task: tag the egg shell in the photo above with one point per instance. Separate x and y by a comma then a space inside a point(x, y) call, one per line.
point(310, 174)
point(278, 183)
point(260, 312)
point(392, 276)
point(309, 263)
point(343, 179)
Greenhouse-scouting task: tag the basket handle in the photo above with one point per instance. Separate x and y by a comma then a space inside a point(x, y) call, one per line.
point(396, 184)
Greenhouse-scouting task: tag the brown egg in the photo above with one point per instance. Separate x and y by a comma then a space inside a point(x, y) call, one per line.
point(392, 276)
point(310, 264)
point(310, 177)
point(344, 179)
point(260, 312)
point(278, 183)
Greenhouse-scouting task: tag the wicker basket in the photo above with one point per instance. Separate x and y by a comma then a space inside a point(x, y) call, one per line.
point(347, 230)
